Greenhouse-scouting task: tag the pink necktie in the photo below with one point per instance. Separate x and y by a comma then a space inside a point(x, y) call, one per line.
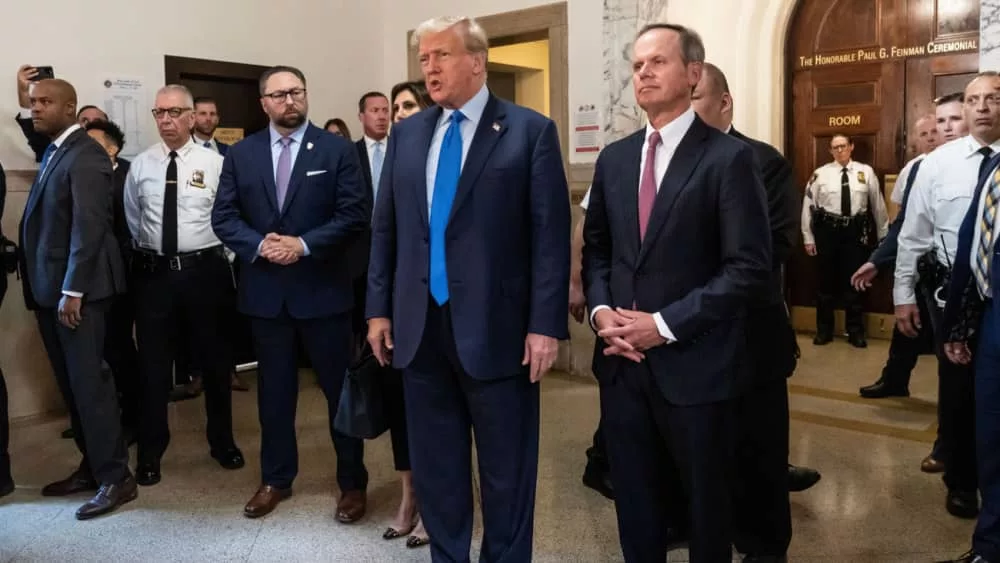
point(647, 186)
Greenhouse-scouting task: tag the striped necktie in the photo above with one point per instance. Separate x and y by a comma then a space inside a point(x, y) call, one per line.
point(986, 224)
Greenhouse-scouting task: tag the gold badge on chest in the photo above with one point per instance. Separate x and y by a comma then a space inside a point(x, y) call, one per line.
point(861, 176)
point(197, 179)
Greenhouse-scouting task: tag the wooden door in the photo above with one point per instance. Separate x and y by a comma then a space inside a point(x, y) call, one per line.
point(868, 69)
point(233, 85)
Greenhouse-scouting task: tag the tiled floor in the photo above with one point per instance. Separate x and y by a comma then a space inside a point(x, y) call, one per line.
point(873, 503)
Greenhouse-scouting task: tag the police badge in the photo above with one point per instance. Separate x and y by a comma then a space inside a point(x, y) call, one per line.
point(197, 179)
point(861, 176)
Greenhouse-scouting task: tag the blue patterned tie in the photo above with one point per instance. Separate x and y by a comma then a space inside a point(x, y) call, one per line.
point(984, 252)
point(378, 157)
point(449, 169)
point(45, 161)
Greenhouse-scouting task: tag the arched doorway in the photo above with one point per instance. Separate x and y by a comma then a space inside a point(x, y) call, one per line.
point(868, 68)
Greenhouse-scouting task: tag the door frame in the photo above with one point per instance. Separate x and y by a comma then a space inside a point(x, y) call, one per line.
point(531, 24)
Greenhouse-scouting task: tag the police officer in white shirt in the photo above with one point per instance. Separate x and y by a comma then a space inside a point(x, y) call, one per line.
point(181, 273)
point(939, 199)
point(835, 228)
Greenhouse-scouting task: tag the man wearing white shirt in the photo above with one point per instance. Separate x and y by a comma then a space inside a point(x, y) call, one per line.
point(181, 274)
point(938, 201)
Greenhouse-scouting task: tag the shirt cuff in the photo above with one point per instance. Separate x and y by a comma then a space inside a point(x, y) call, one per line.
point(76, 294)
point(593, 313)
point(903, 295)
point(25, 113)
point(305, 247)
point(664, 330)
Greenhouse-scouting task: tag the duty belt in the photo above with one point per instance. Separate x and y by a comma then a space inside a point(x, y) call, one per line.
point(149, 261)
point(823, 216)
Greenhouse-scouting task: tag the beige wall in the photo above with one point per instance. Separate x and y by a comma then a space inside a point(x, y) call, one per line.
point(30, 384)
point(532, 84)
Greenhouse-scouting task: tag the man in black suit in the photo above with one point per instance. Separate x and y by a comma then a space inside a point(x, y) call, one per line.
point(6, 480)
point(72, 270)
point(373, 113)
point(763, 524)
point(673, 318)
point(119, 345)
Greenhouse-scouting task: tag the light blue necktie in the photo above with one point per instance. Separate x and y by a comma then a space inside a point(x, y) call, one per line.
point(377, 158)
point(449, 169)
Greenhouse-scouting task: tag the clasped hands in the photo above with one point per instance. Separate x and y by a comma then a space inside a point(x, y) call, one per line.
point(281, 249)
point(628, 333)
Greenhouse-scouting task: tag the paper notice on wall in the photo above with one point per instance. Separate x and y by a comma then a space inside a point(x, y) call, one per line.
point(587, 129)
point(125, 102)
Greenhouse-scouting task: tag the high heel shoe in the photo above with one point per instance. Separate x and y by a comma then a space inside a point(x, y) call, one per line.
point(392, 533)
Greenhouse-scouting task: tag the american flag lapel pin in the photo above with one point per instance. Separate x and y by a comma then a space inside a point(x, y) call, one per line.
point(496, 126)
point(309, 146)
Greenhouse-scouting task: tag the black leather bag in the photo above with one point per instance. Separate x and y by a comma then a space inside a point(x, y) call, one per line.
point(361, 411)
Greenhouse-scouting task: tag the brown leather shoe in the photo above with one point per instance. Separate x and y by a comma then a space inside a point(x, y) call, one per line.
point(78, 482)
point(352, 506)
point(265, 500)
point(931, 465)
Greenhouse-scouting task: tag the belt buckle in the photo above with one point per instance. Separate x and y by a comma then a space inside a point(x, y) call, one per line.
point(174, 263)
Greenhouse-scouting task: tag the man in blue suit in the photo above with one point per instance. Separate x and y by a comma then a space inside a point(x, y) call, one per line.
point(677, 247)
point(468, 291)
point(290, 202)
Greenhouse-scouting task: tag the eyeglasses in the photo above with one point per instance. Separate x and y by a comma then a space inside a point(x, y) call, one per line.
point(172, 112)
point(839, 148)
point(297, 94)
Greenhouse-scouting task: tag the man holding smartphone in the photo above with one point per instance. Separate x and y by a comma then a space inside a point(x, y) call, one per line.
point(26, 76)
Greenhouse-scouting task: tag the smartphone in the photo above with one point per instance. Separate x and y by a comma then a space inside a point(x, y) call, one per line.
point(44, 73)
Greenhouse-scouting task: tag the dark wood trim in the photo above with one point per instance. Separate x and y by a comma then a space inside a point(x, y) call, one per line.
point(177, 68)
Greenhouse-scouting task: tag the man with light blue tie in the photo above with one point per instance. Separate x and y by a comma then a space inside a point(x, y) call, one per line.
point(373, 113)
point(468, 291)
point(290, 203)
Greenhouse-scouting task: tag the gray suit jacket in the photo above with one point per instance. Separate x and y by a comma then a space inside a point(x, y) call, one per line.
point(67, 235)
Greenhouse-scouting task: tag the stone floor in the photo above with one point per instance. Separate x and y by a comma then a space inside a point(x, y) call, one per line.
point(873, 504)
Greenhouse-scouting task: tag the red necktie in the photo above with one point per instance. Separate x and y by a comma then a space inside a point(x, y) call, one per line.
point(647, 186)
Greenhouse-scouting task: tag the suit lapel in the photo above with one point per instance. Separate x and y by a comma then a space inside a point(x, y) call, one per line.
point(628, 190)
point(42, 180)
point(426, 135)
point(687, 156)
point(366, 166)
point(265, 162)
point(491, 127)
point(302, 162)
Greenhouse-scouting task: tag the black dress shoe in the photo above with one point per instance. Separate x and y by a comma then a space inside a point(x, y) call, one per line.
point(78, 482)
point(6, 487)
point(147, 474)
point(765, 559)
point(801, 478)
point(822, 339)
point(857, 340)
point(230, 459)
point(599, 479)
point(880, 390)
point(109, 498)
point(962, 504)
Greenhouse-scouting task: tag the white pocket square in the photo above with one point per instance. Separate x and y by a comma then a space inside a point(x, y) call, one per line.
point(315, 172)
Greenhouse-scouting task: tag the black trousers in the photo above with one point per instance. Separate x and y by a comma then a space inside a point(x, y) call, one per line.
point(762, 515)
point(88, 391)
point(202, 298)
point(327, 341)
point(905, 351)
point(839, 253)
point(443, 404)
point(4, 433)
point(395, 413)
point(123, 359)
point(654, 445)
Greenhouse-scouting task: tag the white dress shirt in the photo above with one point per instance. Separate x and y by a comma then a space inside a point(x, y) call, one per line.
point(978, 233)
point(212, 145)
point(899, 189)
point(823, 191)
point(58, 143)
point(940, 197)
point(198, 171)
point(670, 135)
point(473, 112)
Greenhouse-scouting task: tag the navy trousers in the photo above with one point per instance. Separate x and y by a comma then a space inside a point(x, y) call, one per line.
point(443, 403)
point(986, 539)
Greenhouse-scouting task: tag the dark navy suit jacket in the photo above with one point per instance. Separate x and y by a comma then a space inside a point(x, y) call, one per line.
point(507, 246)
point(325, 205)
point(223, 148)
point(705, 260)
point(963, 309)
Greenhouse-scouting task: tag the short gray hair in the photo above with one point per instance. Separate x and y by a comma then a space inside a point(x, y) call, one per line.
point(692, 47)
point(179, 88)
point(473, 35)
